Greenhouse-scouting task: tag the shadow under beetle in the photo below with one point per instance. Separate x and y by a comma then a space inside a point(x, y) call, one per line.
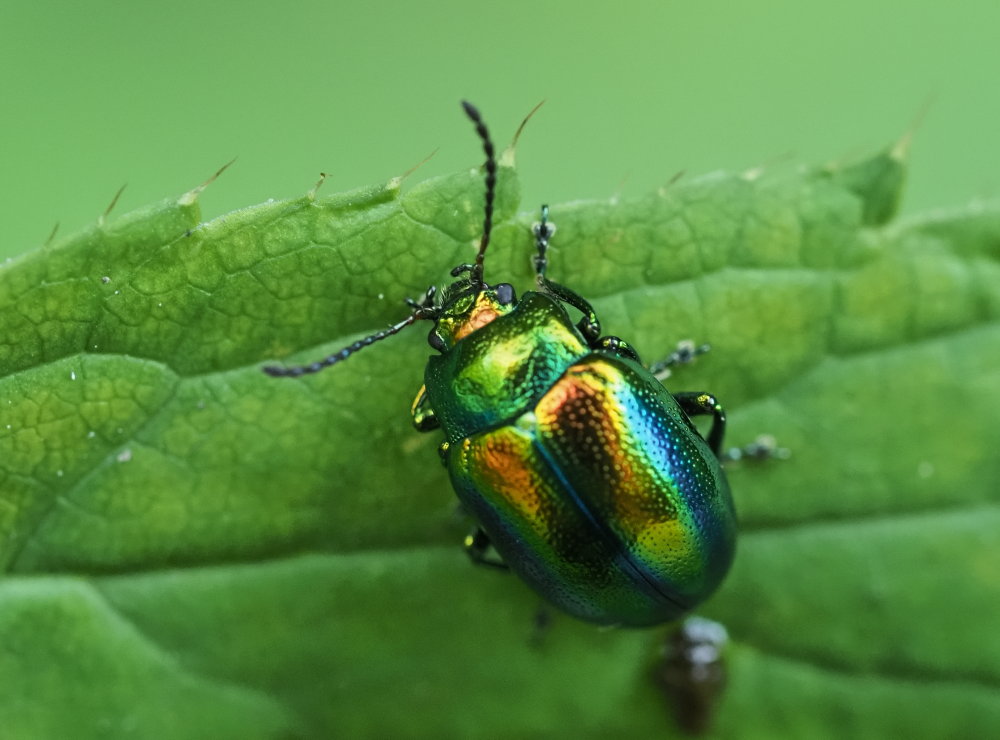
point(586, 476)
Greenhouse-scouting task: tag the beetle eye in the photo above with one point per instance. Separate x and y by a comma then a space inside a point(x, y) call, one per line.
point(505, 294)
point(435, 340)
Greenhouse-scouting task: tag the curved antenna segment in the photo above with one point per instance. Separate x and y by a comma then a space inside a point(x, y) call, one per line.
point(476, 276)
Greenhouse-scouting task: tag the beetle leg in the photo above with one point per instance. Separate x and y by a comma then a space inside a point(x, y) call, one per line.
point(684, 354)
point(443, 449)
point(477, 547)
point(589, 325)
point(540, 626)
point(702, 404)
point(619, 346)
point(423, 415)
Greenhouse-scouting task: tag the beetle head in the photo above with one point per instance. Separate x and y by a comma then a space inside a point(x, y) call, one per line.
point(465, 308)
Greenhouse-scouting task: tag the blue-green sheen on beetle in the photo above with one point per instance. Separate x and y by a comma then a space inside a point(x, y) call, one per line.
point(586, 476)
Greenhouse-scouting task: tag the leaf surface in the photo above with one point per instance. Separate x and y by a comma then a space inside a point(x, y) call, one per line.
point(193, 549)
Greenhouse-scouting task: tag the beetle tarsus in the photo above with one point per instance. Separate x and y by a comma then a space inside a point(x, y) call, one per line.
point(620, 347)
point(543, 231)
point(764, 447)
point(684, 354)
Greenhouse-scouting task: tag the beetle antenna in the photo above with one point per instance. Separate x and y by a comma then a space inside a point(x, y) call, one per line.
point(476, 276)
point(293, 372)
point(422, 309)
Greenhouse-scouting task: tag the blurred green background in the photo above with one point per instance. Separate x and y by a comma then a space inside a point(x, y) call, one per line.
point(97, 94)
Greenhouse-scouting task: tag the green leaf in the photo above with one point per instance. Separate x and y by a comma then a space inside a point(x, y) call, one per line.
point(193, 549)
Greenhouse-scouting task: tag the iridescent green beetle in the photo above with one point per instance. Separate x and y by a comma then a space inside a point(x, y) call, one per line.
point(584, 473)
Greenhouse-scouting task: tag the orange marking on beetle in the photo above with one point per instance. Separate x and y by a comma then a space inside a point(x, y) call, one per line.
point(479, 318)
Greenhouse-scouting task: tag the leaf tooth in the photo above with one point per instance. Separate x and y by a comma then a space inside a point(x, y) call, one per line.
point(192, 195)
